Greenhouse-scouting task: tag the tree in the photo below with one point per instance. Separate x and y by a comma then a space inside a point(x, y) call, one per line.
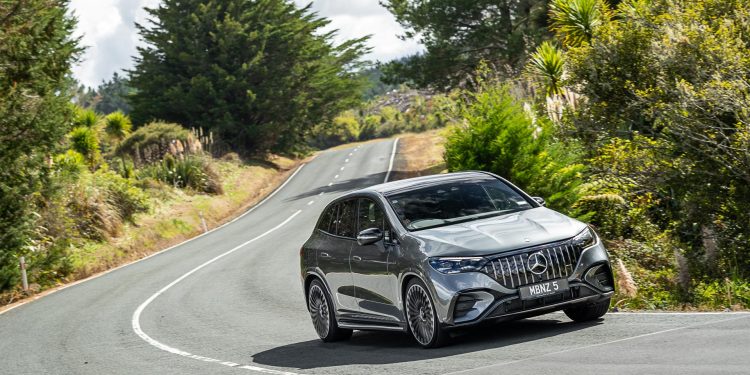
point(676, 73)
point(117, 125)
point(36, 53)
point(113, 95)
point(458, 35)
point(258, 73)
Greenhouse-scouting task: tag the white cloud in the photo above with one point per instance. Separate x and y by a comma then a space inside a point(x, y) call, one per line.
point(108, 30)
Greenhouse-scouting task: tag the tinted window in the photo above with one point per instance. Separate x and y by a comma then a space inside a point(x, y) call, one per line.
point(328, 220)
point(455, 202)
point(370, 215)
point(347, 219)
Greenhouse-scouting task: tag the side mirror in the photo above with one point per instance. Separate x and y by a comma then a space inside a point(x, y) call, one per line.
point(540, 200)
point(369, 236)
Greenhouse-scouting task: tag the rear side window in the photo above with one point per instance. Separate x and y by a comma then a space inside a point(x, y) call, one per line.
point(347, 221)
point(370, 215)
point(328, 220)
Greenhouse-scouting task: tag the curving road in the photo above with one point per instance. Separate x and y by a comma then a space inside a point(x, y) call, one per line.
point(230, 302)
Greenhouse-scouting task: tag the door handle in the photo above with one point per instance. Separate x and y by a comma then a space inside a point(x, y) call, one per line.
point(357, 258)
point(324, 255)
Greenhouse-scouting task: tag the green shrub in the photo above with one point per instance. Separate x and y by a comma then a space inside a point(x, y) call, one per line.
point(86, 142)
point(192, 172)
point(85, 118)
point(71, 162)
point(343, 129)
point(117, 125)
point(150, 143)
point(498, 136)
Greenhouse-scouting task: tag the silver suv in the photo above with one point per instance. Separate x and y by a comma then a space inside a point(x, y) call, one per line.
point(430, 254)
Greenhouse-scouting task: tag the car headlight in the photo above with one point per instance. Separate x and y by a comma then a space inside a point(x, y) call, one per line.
point(457, 265)
point(585, 239)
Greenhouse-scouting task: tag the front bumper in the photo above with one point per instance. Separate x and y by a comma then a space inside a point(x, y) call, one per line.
point(496, 302)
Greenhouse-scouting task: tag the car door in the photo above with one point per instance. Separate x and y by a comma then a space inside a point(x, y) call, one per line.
point(334, 252)
point(376, 288)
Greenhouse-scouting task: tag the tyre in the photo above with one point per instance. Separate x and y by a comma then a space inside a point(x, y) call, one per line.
point(421, 316)
point(589, 312)
point(323, 314)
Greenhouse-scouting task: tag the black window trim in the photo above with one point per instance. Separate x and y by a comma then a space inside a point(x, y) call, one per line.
point(337, 204)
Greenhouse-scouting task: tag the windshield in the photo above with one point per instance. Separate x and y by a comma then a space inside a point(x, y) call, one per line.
point(456, 202)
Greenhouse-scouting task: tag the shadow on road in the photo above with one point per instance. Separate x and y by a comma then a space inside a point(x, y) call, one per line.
point(377, 348)
point(343, 186)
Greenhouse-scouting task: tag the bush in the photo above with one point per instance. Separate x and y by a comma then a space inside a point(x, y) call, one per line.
point(343, 129)
point(85, 141)
point(150, 143)
point(192, 172)
point(499, 137)
point(100, 202)
point(85, 118)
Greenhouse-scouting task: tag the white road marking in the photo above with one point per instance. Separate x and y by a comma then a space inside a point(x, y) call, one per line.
point(393, 156)
point(330, 183)
point(743, 316)
point(351, 153)
point(342, 168)
point(310, 203)
point(321, 193)
point(346, 161)
point(335, 177)
point(136, 320)
point(160, 251)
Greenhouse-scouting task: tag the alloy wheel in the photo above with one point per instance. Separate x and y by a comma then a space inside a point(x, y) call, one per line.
point(420, 314)
point(319, 311)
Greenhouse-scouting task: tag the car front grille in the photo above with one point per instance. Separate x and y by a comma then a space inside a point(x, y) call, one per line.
point(515, 270)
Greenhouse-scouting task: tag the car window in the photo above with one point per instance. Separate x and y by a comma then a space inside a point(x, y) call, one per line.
point(454, 202)
point(347, 221)
point(328, 220)
point(370, 215)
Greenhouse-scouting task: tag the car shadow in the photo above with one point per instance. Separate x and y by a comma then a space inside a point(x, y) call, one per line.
point(378, 348)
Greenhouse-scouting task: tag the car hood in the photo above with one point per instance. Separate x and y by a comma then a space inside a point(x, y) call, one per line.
point(498, 234)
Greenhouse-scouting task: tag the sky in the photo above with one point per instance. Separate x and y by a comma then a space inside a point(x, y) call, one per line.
point(107, 28)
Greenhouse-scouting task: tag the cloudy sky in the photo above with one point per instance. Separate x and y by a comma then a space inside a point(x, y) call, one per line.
point(107, 28)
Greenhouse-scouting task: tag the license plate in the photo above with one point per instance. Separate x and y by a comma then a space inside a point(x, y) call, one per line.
point(543, 289)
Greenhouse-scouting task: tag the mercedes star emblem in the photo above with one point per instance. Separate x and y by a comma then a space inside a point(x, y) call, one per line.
point(537, 263)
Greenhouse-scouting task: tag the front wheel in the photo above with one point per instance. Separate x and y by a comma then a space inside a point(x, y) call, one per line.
point(323, 314)
point(421, 316)
point(589, 312)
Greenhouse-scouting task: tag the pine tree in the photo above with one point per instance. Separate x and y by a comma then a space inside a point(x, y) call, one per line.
point(259, 73)
point(36, 53)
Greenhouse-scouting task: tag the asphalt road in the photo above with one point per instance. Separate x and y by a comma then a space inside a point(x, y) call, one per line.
point(230, 302)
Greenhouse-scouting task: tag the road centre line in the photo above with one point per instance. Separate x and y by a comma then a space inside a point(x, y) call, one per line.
point(136, 319)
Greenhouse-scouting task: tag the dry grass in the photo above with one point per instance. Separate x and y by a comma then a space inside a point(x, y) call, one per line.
point(419, 154)
point(176, 215)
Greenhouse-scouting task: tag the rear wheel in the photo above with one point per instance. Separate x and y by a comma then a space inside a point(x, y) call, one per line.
point(588, 312)
point(323, 314)
point(421, 316)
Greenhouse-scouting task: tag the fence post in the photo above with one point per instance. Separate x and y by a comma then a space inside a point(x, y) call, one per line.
point(24, 279)
point(203, 222)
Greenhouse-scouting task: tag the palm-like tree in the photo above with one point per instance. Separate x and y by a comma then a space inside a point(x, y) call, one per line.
point(576, 20)
point(85, 117)
point(117, 125)
point(547, 64)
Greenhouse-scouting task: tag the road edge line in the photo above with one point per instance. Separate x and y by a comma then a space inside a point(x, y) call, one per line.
point(393, 157)
point(136, 318)
point(93, 277)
